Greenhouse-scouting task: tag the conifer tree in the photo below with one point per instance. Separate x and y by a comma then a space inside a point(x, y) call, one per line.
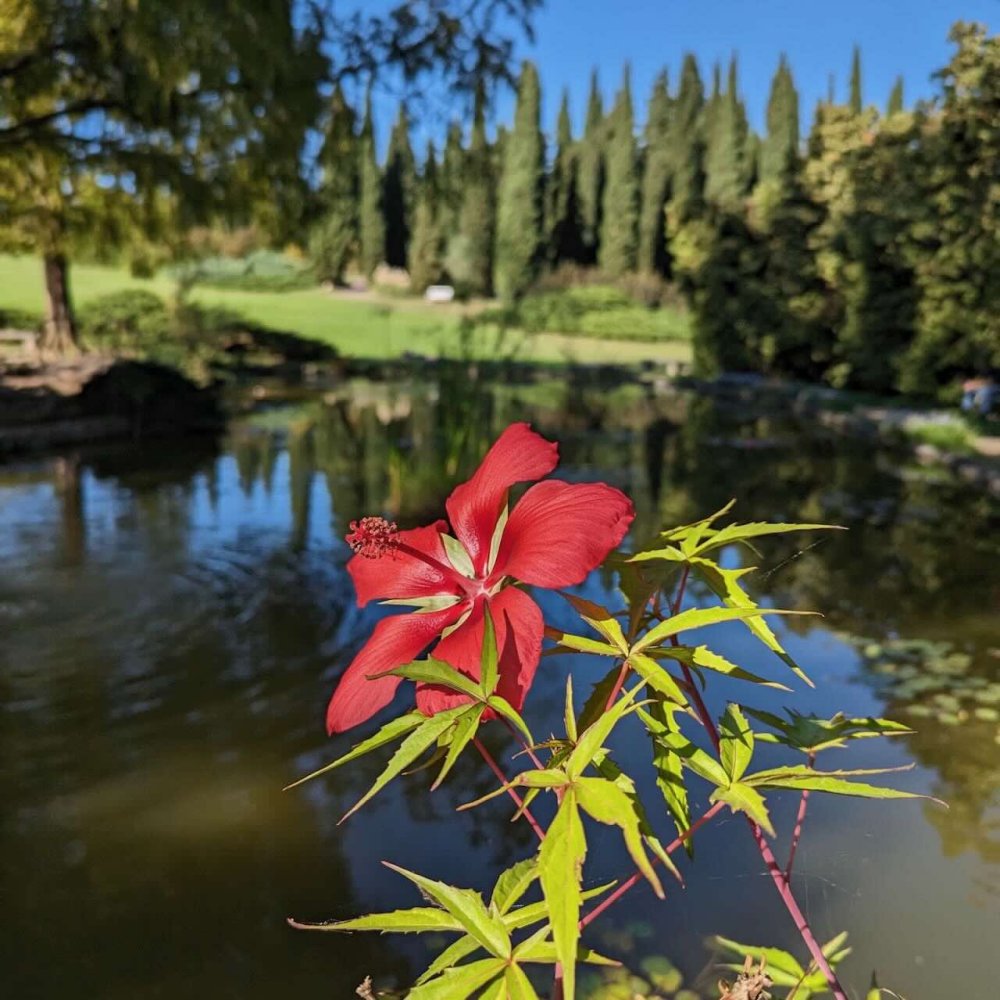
point(620, 209)
point(371, 225)
point(856, 102)
point(562, 214)
point(334, 236)
point(450, 181)
point(469, 257)
point(398, 191)
point(519, 201)
point(895, 104)
point(590, 170)
point(686, 145)
point(781, 144)
point(424, 262)
point(727, 170)
point(652, 255)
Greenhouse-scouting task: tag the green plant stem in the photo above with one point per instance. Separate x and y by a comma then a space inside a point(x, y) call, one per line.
point(637, 876)
point(799, 821)
point(502, 778)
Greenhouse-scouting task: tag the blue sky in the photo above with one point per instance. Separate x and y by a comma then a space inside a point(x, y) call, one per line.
point(907, 37)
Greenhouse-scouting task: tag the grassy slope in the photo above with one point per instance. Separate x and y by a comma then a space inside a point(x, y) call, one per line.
point(356, 329)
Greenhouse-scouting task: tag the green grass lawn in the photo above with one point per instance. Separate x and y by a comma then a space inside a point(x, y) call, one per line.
point(358, 329)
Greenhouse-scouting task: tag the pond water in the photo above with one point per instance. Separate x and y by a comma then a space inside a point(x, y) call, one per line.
point(173, 618)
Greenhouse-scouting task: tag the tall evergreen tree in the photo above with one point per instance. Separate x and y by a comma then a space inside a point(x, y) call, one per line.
point(469, 257)
point(781, 144)
point(652, 254)
point(519, 202)
point(563, 237)
point(727, 167)
point(398, 190)
point(895, 104)
point(450, 181)
point(686, 145)
point(590, 169)
point(620, 209)
point(856, 102)
point(371, 224)
point(334, 236)
point(424, 262)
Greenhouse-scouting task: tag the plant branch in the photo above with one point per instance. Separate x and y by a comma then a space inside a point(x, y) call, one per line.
point(524, 743)
point(799, 821)
point(502, 778)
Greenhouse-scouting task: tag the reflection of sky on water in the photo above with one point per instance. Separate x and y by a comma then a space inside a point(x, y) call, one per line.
point(172, 624)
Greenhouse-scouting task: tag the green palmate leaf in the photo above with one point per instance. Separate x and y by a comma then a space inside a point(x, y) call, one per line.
point(592, 738)
point(539, 949)
point(525, 916)
point(756, 529)
point(638, 584)
point(784, 969)
point(431, 671)
point(497, 990)
point(703, 658)
point(560, 863)
point(414, 921)
point(669, 768)
point(467, 908)
point(452, 955)
point(567, 643)
point(693, 757)
point(457, 556)
point(594, 707)
point(743, 798)
point(459, 983)
point(801, 778)
point(488, 669)
point(535, 779)
point(657, 678)
point(811, 734)
point(696, 528)
point(736, 742)
point(504, 708)
point(465, 729)
point(390, 731)
point(725, 584)
point(513, 884)
point(569, 715)
point(695, 618)
point(408, 751)
point(605, 802)
point(601, 621)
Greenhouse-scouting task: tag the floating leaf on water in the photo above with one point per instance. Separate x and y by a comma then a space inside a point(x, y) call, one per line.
point(987, 714)
point(920, 710)
point(948, 719)
point(662, 973)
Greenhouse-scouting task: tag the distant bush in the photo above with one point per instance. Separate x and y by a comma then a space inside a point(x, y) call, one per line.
point(598, 310)
point(947, 435)
point(262, 271)
point(19, 319)
point(119, 322)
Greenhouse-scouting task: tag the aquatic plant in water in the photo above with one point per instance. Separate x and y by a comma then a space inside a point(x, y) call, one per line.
point(484, 632)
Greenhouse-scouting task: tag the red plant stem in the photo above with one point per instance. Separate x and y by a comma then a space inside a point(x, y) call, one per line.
point(502, 778)
point(637, 877)
point(777, 875)
point(799, 821)
point(619, 684)
point(524, 743)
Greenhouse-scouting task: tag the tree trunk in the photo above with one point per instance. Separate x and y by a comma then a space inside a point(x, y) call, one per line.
point(59, 334)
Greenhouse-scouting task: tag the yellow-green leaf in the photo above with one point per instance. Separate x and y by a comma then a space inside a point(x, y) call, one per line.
point(745, 799)
point(736, 742)
point(459, 983)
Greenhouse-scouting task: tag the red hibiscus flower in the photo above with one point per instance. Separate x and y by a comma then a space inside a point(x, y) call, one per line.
point(554, 536)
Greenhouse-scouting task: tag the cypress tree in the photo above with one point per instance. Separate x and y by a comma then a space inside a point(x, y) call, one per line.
point(727, 171)
point(590, 169)
point(895, 104)
point(399, 191)
point(686, 145)
point(519, 204)
point(620, 209)
point(371, 224)
point(655, 179)
point(856, 101)
point(450, 181)
point(562, 229)
point(469, 258)
point(333, 238)
point(781, 144)
point(425, 260)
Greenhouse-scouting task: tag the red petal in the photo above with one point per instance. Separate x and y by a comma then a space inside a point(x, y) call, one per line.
point(558, 532)
point(519, 626)
point(395, 641)
point(398, 574)
point(519, 455)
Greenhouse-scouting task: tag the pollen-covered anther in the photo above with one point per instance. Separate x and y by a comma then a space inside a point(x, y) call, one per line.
point(372, 537)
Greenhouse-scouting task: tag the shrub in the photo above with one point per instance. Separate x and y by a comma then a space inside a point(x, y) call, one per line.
point(636, 323)
point(263, 271)
point(19, 319)
point(122, 321)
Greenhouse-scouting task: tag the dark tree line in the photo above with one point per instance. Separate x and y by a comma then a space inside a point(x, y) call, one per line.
point(865, 255)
